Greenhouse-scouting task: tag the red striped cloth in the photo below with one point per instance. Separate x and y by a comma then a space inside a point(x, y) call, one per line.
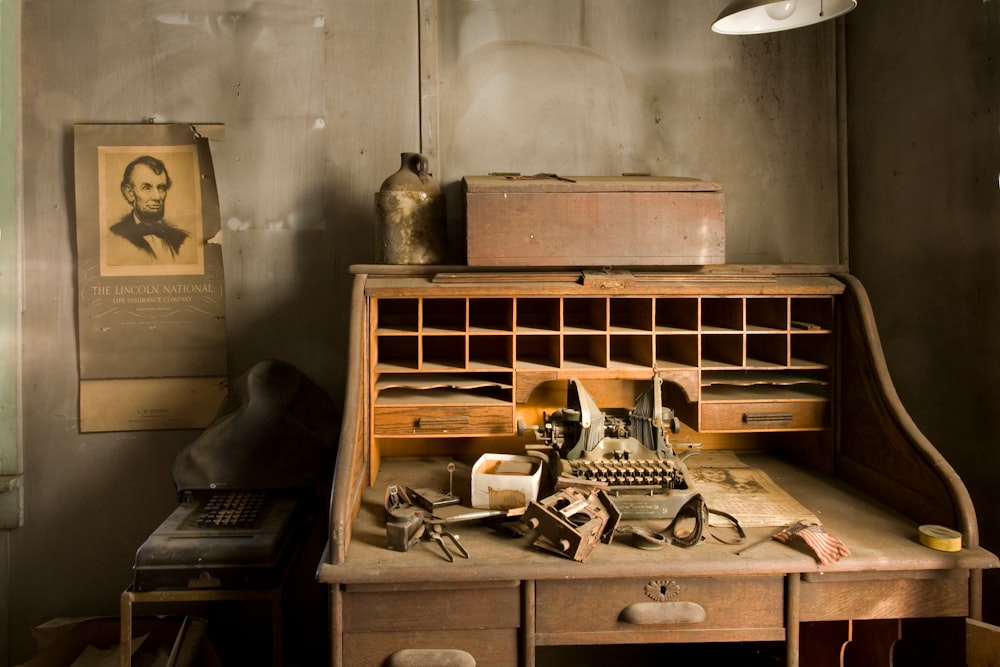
point(827, 547)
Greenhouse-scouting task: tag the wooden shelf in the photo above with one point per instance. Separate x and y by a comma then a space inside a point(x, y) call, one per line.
point(468, 329)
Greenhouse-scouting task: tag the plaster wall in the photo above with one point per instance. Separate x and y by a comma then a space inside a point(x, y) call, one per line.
point(924, 210)
point(319, 97)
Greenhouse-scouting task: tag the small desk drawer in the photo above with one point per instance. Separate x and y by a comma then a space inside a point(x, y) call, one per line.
point(641, 610)
point(905, 597)
point(438, 420)
point(432, 607)
point(492, 647)
point(383, 620)
point(764, 415)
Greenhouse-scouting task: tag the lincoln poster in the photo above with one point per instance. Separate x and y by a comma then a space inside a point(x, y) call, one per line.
point(152, 325)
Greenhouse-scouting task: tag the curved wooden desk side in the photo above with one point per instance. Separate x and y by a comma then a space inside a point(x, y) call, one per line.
point(880, 449)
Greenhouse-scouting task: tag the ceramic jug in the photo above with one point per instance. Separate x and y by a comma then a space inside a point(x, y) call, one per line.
point(411, 226)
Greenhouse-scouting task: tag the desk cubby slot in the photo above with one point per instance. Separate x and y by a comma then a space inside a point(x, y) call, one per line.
point(722, 314)
point(397, 352)
point(443, 389)
point(767, 314)
point(631, 315)
point(537, 315)
point(766, 350)
point(585, 351)
point(677, 350)
point(628, 351)
point(443, 352)
point(758, 383)
point(723, 350)
point(583, 314)
point(491, 315)
point(812, 314)
point(676, 314)
point(444, 315)
point(496, 351)
point(537, 351)
point(811, 350)
point(397, 315)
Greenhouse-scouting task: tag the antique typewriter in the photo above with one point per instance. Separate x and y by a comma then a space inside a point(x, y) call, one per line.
point(626, 450)
point(246, 486)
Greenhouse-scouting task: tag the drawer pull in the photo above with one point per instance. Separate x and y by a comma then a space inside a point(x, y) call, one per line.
point(767, 417)
point(430, 657)
point(442, 423)
point(662, 613)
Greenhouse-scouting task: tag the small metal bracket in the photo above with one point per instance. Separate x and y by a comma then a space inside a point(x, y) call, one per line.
point(607, 279)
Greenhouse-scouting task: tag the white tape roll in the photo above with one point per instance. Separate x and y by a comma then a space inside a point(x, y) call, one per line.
point(940, 538)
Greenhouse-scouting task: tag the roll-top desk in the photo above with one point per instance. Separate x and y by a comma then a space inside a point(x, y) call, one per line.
point(781, 365)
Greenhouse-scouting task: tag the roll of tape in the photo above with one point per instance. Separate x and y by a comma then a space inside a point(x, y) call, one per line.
point(940, 538)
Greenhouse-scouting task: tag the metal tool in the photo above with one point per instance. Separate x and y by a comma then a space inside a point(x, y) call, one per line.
point(573, 521)
point(432, 499)
point(407, 522)
point(437, 533)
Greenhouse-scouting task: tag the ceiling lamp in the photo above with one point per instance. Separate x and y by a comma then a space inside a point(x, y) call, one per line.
point(749, 17)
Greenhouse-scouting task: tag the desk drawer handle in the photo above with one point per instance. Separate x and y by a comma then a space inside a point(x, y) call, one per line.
point(662, 613)
point(767, 417)
point(442, 423)
point(430, 657)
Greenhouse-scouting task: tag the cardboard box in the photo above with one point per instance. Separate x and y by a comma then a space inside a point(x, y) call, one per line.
point(594, 221)
point(505, 481)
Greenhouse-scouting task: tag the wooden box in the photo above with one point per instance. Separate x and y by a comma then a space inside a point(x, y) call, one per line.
point(593, 221)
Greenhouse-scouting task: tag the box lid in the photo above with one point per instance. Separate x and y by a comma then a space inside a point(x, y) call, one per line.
point(558, 183)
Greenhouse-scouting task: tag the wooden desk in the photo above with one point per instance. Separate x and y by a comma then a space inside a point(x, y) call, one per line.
point(852, 457)
point(522, 597)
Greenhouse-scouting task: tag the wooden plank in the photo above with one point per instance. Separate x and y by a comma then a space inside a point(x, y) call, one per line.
point(888, 598)
point(982, 644)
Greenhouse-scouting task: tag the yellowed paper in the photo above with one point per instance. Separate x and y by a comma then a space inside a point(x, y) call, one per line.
point(151, 287)
point(149, 403)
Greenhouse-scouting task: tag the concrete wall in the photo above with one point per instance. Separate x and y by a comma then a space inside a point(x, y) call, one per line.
point(319, 97)
point(924, 213)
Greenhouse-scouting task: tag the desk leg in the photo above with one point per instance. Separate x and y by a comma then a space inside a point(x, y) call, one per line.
point(792, 585)
point(125, 614)
point(528, 623)
point(277, 625)
point(337, 623)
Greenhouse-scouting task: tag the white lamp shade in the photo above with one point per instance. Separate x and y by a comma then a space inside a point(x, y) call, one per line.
point(749, 17)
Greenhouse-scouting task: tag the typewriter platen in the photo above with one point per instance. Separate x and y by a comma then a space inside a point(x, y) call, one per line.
point(628, 450)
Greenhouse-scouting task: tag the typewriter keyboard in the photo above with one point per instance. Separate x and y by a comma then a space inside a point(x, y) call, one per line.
point(630, 473)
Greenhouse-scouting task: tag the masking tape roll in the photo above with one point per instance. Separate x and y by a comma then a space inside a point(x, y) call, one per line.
point(940, 538)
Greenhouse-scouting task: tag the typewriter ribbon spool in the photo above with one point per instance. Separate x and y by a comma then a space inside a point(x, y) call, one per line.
point(940, 538)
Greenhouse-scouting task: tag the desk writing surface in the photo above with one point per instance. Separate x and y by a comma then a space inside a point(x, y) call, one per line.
point(880, 540)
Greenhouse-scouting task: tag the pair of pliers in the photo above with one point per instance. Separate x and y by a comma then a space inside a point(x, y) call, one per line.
point(434, 530)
